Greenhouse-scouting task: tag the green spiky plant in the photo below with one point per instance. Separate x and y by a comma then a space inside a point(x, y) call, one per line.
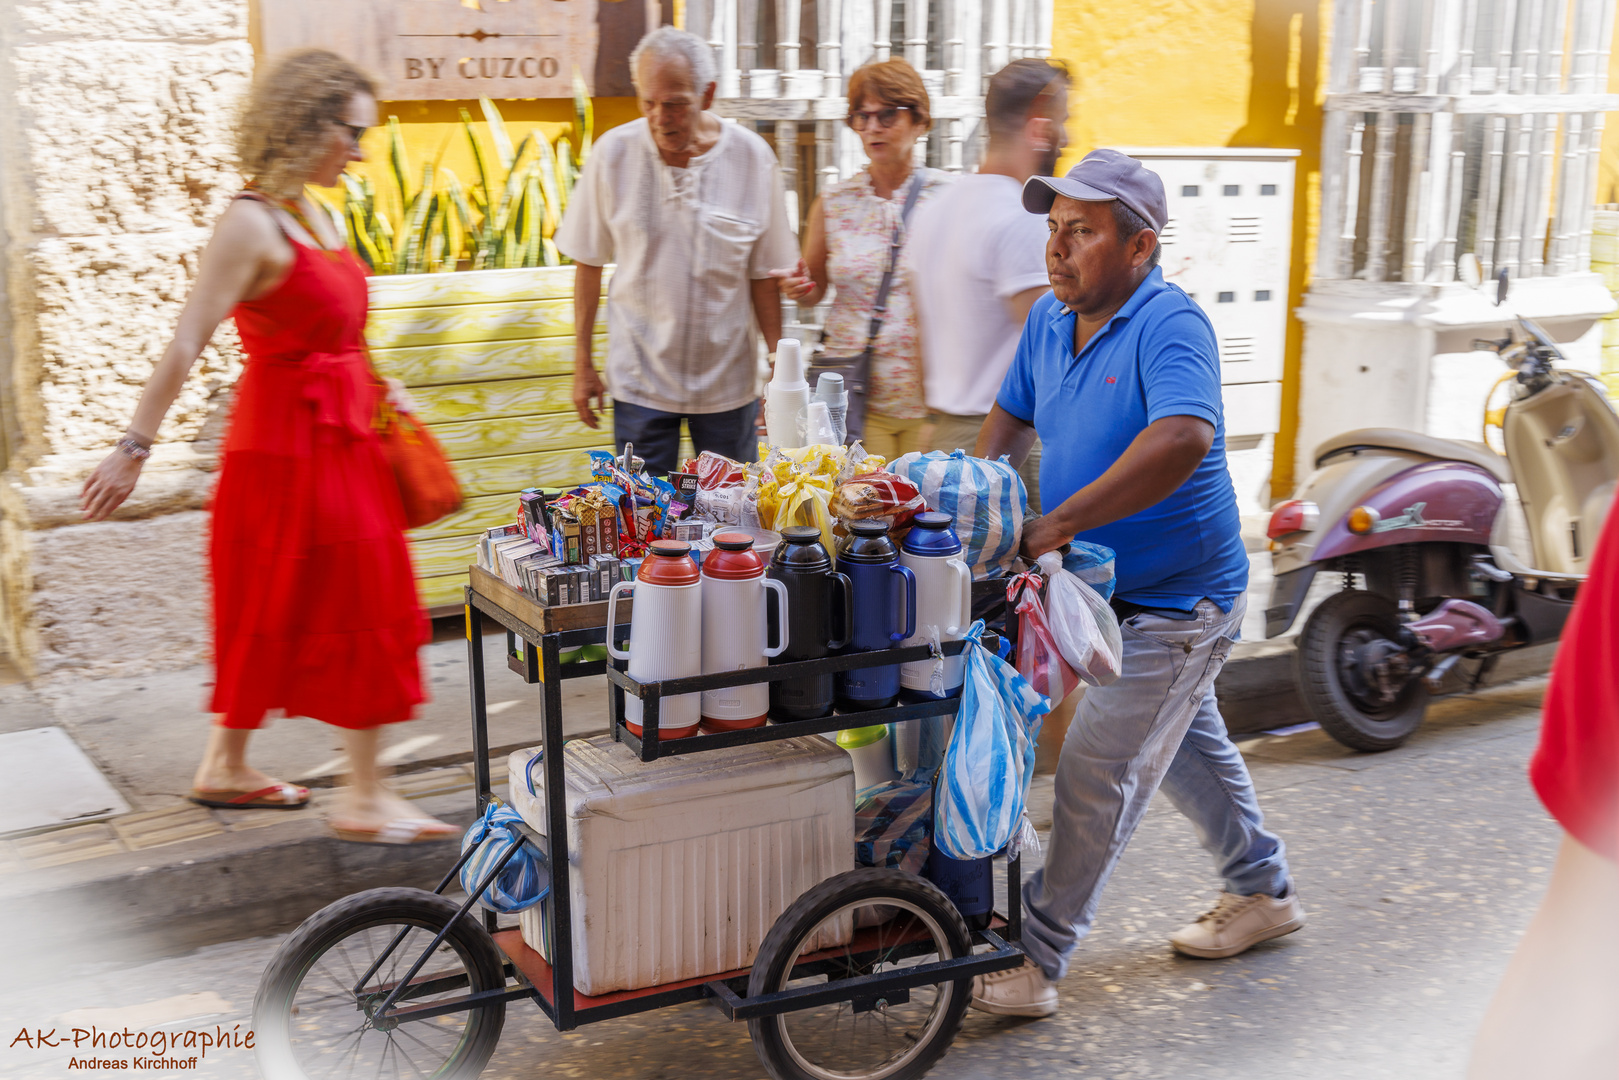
point(503, 218)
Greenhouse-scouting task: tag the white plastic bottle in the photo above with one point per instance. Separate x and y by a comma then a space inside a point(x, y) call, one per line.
point(829, 388)
point(786, 396)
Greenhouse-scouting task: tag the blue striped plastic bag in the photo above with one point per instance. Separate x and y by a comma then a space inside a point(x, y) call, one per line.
point(989, 761)
point(522, 882)
point(986, 499)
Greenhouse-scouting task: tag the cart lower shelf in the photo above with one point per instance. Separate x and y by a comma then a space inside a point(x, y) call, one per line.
point(534, 967)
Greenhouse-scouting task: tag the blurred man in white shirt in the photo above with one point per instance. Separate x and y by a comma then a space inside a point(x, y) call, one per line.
point(977, 259)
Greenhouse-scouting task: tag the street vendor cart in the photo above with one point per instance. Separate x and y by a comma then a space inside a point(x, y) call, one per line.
point(409, 983)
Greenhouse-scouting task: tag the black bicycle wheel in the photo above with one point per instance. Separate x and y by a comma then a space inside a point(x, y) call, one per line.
point(863, 922)
point(315, 1013)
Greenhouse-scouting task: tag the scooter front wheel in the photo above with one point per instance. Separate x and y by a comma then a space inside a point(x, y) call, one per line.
point(1353, 675)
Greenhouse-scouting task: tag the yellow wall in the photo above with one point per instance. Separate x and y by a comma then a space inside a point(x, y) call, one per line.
point(1217, 73)
point(1608, 177)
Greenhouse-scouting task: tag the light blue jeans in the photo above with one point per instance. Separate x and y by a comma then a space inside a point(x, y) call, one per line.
point(1157, 725)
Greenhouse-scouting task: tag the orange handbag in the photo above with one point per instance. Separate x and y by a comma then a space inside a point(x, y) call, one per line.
point(428, 489)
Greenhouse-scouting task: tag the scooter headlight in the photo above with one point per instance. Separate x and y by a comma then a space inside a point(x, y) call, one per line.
point(1362, 520)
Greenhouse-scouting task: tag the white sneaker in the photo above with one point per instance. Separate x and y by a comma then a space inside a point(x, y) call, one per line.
point(1237, 924)
point(1019, 991)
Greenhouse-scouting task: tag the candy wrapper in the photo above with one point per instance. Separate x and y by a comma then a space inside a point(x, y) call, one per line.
point(891, 499)
point(716, 471)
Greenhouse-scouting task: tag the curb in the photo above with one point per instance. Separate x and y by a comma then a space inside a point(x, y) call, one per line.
point(166, 881)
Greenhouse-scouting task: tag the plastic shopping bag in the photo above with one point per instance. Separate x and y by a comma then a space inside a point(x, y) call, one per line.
point(1092, 564)
point(1083, 624)
point(1038, 658)
point(986, 498)
point(893, 825)
point(526, 878)
point(989, 761)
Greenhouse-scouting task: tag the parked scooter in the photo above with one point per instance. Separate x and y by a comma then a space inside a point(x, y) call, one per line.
point(1448, 550)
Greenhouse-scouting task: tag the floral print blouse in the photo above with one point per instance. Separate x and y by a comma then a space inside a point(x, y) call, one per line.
point(858, 227)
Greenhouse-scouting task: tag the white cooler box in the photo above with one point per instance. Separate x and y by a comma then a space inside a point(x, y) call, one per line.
point(678, 868)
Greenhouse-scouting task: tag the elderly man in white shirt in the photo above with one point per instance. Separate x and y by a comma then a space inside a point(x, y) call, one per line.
point(689, 210)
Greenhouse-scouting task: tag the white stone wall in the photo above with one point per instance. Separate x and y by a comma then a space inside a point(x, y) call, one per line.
point(115, 160)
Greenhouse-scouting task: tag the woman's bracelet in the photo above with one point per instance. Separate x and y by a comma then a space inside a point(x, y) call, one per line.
point(132, 449)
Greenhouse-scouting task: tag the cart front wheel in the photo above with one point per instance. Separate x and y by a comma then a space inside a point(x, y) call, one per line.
point(317, 1010)
point(865, 922)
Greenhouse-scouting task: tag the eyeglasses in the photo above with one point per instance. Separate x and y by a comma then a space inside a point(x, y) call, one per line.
point(356, 131)
point(886, 118)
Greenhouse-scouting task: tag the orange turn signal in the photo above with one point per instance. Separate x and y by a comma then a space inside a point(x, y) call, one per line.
point(1362, 520)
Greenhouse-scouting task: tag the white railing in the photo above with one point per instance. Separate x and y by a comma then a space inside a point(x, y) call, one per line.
point(955, 44)
point(1462, 125)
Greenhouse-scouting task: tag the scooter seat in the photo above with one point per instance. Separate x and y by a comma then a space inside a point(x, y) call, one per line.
point(1410, 442)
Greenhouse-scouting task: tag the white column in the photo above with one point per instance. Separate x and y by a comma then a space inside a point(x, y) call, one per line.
point(1351, 204)
point(1334, 148)
point(1378, 223)
point(950, 20)
point(1486, 246)
point(916, 33)
point(723, 40)
point(882, 41)
point(995, 38)
point(747, 41)
point(787, 20)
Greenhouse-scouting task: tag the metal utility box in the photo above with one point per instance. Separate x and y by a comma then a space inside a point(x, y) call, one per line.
point(1229, 244)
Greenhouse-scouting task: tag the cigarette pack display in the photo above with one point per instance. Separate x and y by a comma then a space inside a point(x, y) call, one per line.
point(689, 531)
point(679, 867)
point(567, 538)
point(628, 569)
point(685, 487)
point(581, 584)
point(603, 573)
point(508, 556)
point(526, 566)
point(534, 519)
point(549, 587)
point(486, 554)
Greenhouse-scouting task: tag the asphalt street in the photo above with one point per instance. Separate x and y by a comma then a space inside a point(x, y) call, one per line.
point(1419, 868)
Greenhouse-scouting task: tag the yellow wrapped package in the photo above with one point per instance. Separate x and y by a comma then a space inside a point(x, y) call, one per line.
point(807, 502)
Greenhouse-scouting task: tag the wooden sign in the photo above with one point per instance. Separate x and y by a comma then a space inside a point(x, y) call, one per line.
point(436, 50)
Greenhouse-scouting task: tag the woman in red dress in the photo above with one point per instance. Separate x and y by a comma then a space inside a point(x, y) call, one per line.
point(1556, 1012)
point(314, 601)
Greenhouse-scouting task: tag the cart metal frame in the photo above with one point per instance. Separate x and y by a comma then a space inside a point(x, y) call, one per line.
point(533, 652)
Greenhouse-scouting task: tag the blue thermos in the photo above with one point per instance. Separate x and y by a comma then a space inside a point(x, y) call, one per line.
point(884, 595)
point(969, 883)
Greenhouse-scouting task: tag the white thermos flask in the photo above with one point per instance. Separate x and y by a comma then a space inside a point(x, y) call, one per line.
point(944, 605)
point(736, 630)
point(666, 634)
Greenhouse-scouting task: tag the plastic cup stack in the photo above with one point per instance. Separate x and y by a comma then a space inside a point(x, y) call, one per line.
point(829, 389)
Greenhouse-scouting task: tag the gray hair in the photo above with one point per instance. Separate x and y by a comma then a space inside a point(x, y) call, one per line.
point(669, 43)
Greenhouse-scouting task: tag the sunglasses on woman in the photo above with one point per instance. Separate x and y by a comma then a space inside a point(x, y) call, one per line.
point(356, 131)
point(886, 118)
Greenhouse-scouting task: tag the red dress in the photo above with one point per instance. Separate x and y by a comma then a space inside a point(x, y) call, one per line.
point(1576, 767)
point(315, 607)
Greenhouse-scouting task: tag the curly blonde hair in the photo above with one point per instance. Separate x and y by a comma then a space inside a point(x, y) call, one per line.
point(286, 114)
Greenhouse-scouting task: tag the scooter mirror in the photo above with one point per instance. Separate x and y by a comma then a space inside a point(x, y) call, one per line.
point(1501, 287)
point(1470, 270)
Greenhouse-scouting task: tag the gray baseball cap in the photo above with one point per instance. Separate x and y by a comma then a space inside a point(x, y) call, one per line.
point(1102, 176)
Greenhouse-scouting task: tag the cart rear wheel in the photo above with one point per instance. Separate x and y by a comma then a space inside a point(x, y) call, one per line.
point(889, 920)
point(313, 1018)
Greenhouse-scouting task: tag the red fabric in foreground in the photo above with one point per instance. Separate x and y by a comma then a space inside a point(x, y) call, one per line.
point(315, 608)
point(1575, 769)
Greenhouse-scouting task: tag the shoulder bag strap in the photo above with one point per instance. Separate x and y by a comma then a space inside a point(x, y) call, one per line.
point(879, 310)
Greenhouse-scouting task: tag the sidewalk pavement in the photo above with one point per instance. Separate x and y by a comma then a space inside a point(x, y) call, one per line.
point(170, 875)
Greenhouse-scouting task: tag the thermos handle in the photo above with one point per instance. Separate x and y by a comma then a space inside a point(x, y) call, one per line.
point(848, 612)
point(781, 616)
point(612, 613)
point(966, 577)
point(908, 583)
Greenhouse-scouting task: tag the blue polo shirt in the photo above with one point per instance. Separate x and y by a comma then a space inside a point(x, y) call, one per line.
point(1157, 357)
